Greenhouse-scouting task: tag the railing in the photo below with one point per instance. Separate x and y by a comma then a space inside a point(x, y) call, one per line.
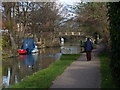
point(69, 33)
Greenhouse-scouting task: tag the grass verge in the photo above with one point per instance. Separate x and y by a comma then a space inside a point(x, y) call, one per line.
point(106, 77)
point(44, 78)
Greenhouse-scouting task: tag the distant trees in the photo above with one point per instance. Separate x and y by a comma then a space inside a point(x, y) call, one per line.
point(114, 23)
point(92, 18)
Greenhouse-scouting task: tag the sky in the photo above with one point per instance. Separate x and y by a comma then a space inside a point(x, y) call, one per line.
point(69, 2)
point(66, 10)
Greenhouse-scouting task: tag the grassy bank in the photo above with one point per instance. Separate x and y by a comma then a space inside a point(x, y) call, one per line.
point(44, 78)
point(106, 77)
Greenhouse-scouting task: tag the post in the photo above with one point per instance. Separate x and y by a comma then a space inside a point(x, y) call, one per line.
point(65, 33)
point(72, 33)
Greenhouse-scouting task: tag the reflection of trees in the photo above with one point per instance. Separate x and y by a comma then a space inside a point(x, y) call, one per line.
point(12, 64)
point(19, 69)
point(50, 50)
point(25, 70)
point(46, 61)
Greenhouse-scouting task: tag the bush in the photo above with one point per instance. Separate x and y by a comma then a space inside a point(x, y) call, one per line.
point(114, 19)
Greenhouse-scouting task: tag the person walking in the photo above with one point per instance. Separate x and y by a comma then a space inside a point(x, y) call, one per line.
point(88, 49)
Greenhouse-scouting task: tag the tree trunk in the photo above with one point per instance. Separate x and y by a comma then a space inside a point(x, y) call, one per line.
point(14, 46)
point(35, 38)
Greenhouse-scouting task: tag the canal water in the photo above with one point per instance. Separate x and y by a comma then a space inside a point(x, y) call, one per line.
point(15, 69)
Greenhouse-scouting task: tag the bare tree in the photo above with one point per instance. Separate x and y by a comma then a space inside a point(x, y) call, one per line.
point(44, 17)
point(92, 19)
point(36, 18)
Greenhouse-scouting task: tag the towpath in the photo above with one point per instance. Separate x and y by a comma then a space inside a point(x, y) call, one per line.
point(81, 73)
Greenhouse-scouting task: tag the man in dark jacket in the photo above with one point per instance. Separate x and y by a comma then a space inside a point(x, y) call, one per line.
point(88, 48)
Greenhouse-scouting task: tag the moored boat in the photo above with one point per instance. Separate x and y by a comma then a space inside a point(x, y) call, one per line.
point(28, 47)
point(22, 51)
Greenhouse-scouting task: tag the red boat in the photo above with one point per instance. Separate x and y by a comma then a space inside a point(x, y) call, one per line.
point(22, 51)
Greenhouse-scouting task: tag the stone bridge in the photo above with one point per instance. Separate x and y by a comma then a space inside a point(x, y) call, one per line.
point(62, 34)
point(71, 35)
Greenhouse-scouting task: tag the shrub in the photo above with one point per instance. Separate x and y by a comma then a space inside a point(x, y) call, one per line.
point(114, 23)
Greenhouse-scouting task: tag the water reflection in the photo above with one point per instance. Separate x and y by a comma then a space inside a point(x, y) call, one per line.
point(25, 65)
point(71, 48)
point(6, 79)
point(29, 60)
point(15, 69)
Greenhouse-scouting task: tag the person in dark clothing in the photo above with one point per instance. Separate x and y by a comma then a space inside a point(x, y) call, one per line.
point(88, 49)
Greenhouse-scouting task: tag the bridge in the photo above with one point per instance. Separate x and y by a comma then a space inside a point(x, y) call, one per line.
point(62, 34)
point(71, 35)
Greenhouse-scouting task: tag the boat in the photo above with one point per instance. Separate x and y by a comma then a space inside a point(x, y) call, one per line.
point(35, 49)
point(28, 47)
point(22, 51)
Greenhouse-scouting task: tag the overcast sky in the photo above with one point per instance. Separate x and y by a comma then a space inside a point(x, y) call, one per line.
point(69, 2)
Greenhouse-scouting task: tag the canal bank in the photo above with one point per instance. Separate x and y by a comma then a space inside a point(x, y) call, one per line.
point(44, 78)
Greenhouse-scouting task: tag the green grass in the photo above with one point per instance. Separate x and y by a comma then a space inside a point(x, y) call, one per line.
point(106, 77)
point(44, 78)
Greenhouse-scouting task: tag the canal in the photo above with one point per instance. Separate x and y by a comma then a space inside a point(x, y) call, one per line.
point(15, 69)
